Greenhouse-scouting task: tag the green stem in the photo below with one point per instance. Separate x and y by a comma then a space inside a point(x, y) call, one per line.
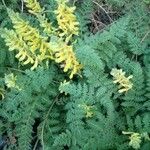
point(3, 1)
point(42, 134)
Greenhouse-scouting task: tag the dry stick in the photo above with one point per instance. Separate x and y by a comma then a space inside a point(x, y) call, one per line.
point(95, 22)
point(99, 21)
point(103, 10)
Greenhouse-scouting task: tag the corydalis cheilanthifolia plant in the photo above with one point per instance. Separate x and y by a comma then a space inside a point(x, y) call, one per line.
point(34, 48)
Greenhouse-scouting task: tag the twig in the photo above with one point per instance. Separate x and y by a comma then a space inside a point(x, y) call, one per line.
point(36, 144)
point(99, 21)
point(95, 23)
point(145, 36)
point(103, 10)
point(16, 69)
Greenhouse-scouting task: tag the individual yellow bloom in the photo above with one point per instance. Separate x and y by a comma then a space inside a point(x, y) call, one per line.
point(89, 114)
point(66, 19)
point(124, 82)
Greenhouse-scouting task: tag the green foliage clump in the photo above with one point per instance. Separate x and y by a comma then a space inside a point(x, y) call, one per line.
point(101, 103)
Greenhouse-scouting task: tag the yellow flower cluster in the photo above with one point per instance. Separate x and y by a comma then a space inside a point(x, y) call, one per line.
point(62, 84)
point(136, 138)
point(124, 82)
point(16, 43)
point(65, 56)
point(68, 24)
point(34, 6)
point(88, 110)
point(33, 48)
point(34, 42)
point(67, 20)
point(10, 81)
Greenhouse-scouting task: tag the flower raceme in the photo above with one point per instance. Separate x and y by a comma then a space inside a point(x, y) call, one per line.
point(67, 20)
point(30, 35)
point(65, 17)
point(65, 56)
point(34, 6)
point(124, 82)
point(16, 43)
point(88, 110)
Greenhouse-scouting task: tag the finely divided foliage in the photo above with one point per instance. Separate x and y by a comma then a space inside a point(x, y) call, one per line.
point(65, 85)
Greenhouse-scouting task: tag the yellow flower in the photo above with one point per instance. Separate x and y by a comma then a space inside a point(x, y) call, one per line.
point(10, 81)
point(67, 20)
point(135, 139)
point(30, 35)
point(124, 82)
point(88, 110)
point(64, 83)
